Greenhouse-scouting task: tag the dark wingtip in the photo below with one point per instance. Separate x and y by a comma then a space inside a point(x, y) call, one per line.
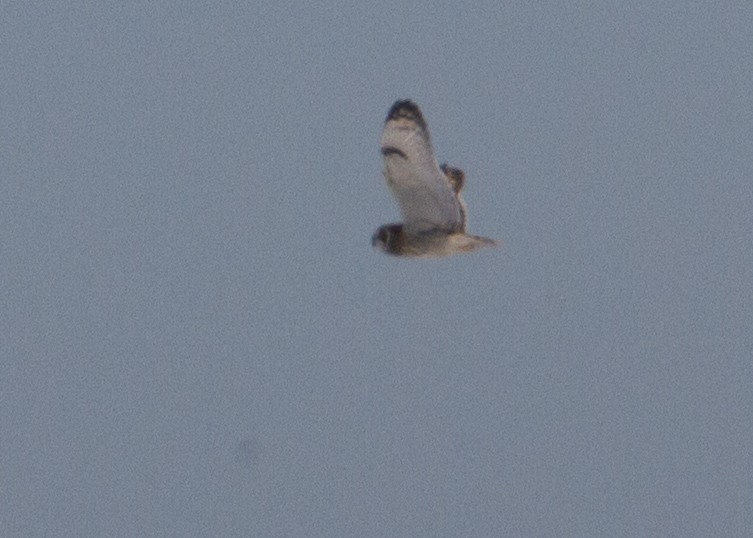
point(403, 107)
point(406, 108)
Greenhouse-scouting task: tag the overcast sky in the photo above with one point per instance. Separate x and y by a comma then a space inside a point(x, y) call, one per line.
point(199, 340)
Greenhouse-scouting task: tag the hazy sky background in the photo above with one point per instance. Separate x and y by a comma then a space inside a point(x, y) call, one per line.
point(198, 339)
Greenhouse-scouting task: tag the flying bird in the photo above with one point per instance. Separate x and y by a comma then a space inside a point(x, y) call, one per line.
point(434, 214)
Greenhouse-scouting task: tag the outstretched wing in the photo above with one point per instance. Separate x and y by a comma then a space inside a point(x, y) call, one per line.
point(426, 198)
point(456, 177)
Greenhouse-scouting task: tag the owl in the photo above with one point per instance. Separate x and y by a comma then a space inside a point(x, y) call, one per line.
point(433, 211)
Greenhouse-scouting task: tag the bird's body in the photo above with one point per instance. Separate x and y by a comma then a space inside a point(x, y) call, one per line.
point(434, 214)
point(393, 239)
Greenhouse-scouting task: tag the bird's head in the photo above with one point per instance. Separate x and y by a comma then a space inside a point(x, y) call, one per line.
point(388, 238)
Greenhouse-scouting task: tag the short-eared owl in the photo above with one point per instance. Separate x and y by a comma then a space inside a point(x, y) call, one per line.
point(428, 194)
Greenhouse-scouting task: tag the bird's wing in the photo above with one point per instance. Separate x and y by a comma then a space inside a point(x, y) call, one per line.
point(456, 177)
point(426, 198)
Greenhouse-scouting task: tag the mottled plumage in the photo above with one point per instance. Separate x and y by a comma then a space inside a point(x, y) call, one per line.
point(434, 214)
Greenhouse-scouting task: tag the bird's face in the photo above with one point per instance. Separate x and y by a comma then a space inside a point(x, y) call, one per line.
point(387, 238)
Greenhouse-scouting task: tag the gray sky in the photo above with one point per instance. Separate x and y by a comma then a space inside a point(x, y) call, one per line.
point(198, 339)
